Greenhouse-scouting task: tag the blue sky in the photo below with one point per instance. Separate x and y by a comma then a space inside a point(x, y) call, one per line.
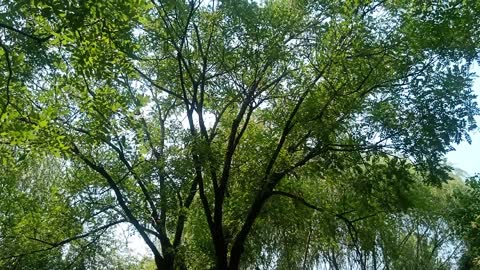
point(466, 156)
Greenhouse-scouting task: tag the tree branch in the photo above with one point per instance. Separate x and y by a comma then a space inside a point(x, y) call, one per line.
point(152, 82)
point(80, 236)
point(23, 33)
point(9, 77)
point(63, 242)
point(122, 202)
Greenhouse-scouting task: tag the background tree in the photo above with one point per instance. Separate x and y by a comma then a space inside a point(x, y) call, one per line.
point(237, 106)
point(47, 223)
point(465, 213)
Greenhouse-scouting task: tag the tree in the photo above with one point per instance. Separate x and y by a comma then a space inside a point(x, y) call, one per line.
point(46, 224)
point(465, 213)
point(231, 107)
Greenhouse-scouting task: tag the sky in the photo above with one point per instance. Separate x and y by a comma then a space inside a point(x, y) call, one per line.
point(467, 156)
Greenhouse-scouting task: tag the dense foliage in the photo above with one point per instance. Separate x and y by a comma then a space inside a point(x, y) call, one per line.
point(284, 134)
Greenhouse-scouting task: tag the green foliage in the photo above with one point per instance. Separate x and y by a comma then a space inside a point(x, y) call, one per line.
point(465, 212)
point(41, 217)
point(229, 134)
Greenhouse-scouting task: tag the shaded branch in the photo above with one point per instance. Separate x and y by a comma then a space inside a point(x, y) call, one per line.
point(121, 201)
point(63, 242)
point(297, 198)
point(80, 236)
point(152, 82)
point(9, 77)
point(23, 33)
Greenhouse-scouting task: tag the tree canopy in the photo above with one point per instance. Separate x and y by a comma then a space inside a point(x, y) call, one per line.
point(284, 134)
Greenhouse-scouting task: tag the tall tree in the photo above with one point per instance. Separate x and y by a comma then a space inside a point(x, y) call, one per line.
point(233, 105)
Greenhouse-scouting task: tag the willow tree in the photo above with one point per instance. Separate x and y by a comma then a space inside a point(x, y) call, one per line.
point(225, 105)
